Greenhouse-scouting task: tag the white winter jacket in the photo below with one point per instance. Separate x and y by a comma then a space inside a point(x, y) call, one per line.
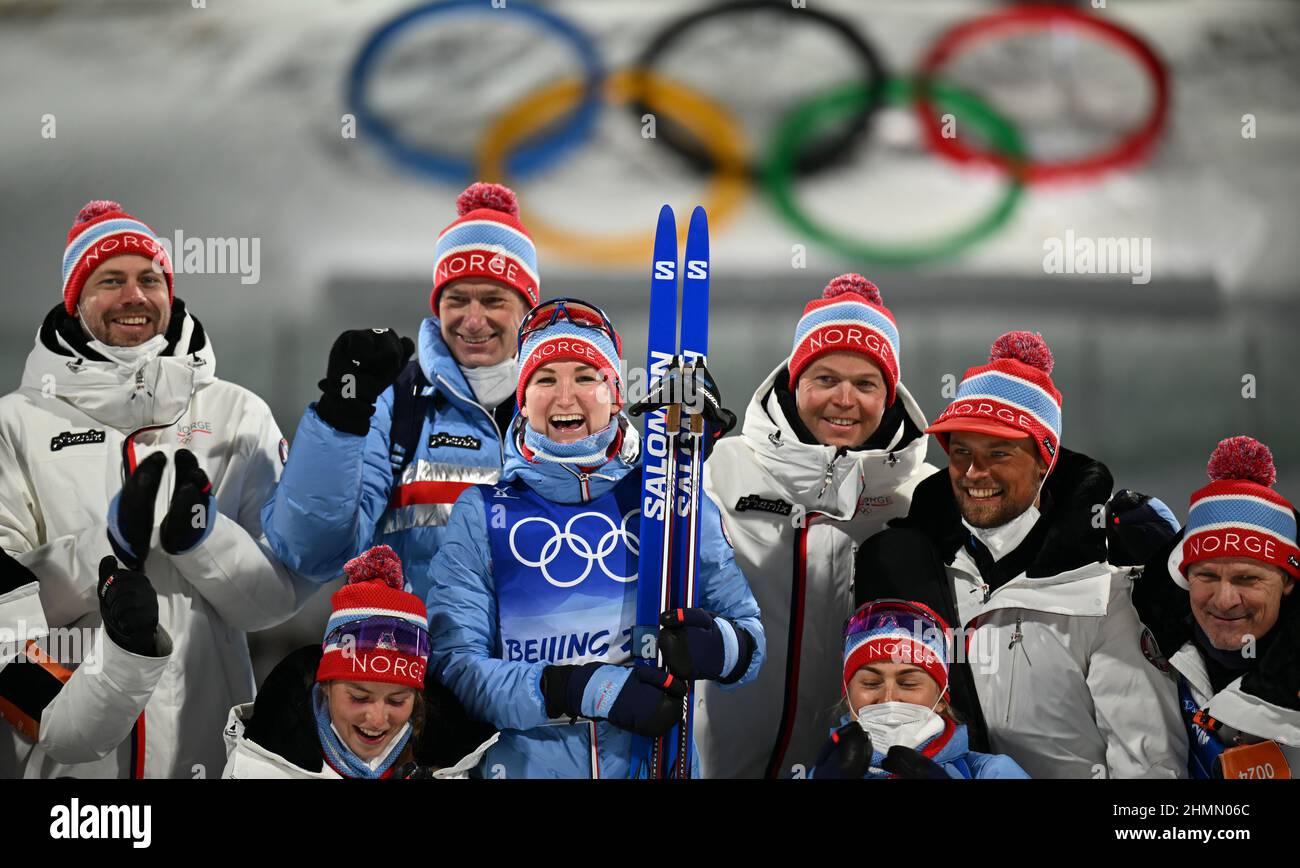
point(800, 570)
point(248, 759)
point(64, 435)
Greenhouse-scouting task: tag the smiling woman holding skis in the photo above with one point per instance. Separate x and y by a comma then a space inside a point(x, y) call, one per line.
point(533, 595)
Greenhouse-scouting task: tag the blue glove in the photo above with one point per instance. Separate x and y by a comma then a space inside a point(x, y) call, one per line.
point(846, 754)
point(697, 644)
point(645, 700)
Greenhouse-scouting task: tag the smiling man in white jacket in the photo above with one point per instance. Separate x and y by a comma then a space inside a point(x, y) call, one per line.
point(1010, 543)
point(122, 375)
point(831, 447)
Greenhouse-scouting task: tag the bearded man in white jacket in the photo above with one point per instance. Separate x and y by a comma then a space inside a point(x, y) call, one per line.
point(831, 447)
point(121, 439)
point(1011, 543)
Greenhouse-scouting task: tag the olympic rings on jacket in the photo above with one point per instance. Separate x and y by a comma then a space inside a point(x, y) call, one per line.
point(806, 119)
point(1132, 149)
point(533, 157)
point(579, 546)
point(705, 120)
point(826, 153)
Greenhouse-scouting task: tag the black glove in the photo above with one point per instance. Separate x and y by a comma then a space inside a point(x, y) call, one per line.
point(1277, 677)
point(696, 384)
point(1135, 528)
point(362, 364)
point(692, 644)
point(904, 762)
point(130, 515)
point(192, 510)
point(846, 754)
point(1163, 607)
point(128, 607)
point(645, 700)
point(413, 771)
point(13, 575)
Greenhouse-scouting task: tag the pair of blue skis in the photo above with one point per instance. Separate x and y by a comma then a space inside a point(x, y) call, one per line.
point(671, 476)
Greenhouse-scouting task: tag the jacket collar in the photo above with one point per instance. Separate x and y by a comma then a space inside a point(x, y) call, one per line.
point(155, 389)
point(1063, 538)
point(562, 483)
point(440, 367)
point(828, 479)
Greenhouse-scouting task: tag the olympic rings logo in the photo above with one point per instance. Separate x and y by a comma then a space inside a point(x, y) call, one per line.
point(579, 546)
point(544, 126)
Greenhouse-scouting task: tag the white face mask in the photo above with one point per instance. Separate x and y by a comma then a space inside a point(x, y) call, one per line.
point(891, 723)
point(492, 384)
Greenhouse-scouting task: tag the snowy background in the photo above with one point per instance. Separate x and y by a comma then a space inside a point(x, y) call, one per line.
point(228, 121)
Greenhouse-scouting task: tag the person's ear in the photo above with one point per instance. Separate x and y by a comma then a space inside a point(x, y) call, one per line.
point(1288, 583)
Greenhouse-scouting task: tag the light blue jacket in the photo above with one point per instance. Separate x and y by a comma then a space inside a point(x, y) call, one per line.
point(957, 759)
point(464, 633)
point(336, 497)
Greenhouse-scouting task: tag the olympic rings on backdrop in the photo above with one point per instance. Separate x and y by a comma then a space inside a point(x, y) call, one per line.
point(579, 546)
point(805, 120)
point(553, 120)
point(532, 157)
point(814, 159)
point(706, 121)
point(1132, 149)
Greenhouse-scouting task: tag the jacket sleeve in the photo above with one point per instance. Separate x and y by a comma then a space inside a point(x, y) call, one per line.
point(725, 590)
point(97, 707)
point(233, 568)
point(986, 766)
point(334, 490)
point(463, 638)
point(1135, 703)
point(67, 565)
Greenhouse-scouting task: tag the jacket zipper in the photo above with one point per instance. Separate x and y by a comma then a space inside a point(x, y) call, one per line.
point(830, 470)
point(794, 650)
point(1017, 638)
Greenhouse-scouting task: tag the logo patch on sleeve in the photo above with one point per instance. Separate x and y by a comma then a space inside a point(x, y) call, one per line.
point(75, 438)
point(763, 504)
point(442, 438)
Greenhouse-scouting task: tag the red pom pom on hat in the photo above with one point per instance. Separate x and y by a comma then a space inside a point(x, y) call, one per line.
point(853, 284)
point(1027, 347)
point(1242, 457)
point(494, 197)
point(97, 208)
point(380, 563)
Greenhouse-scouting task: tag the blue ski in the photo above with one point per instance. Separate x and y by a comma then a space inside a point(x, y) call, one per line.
point(693, 349)
point(659, 520)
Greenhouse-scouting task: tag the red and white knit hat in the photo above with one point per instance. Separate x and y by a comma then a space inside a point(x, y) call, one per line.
point(378, 632)
point(487, 241)
point(1239, 515)
point(1012, 396)
point(849, 317)
point(101, 231)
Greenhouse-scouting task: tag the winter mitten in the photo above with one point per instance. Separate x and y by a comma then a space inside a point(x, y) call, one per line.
point(904, 762)
point(128, 607)
point(1276, 679)
point(706, 392)
point(644, 700)
point(1137, 525)
point(362, 364)
point(846, 754)
point(697, 644)
point(193, 508)
point(130, 515)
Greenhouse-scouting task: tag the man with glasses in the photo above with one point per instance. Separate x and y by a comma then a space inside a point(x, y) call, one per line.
point(382, 456)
